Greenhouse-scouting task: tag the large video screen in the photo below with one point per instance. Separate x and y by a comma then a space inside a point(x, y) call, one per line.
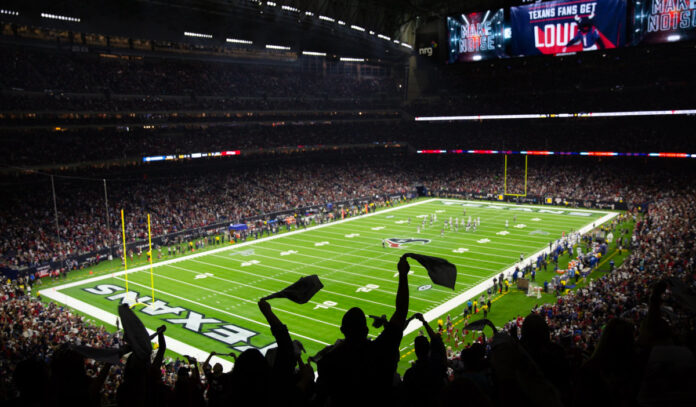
point(567, 26)
point(664, 21)
point(476, 36)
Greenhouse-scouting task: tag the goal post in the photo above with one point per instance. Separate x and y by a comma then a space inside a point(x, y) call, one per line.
point(505, 178)
point(149, 255)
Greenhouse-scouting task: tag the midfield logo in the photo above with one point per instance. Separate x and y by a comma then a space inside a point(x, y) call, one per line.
point(401, 242)
point(235, 337)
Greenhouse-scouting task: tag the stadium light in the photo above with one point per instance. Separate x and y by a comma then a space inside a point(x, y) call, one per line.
point(314, 53)
point(238, 41)
point(347, 59)
point(198, 35)
point(384, 37)
point(357, 28)
point(9, 12)
point(288, 8)
point(59, 17)
point(271, 3)
point(557, 115)
point(341, 22)
point(397, 42)
point(325, 18)
point(308, 13)
point(673, 38)
point(281, 47)
point(477, 57)
point(409, 46)
point(577, 153)
point(372, 32)
point(176, 157)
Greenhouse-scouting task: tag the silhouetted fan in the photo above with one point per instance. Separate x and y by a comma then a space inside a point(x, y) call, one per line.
point(134, 333)
point(136, 337)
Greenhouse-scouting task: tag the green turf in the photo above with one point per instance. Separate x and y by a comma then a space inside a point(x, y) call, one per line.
point(353, 266)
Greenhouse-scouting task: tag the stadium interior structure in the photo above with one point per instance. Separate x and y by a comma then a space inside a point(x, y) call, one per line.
point(228, 120)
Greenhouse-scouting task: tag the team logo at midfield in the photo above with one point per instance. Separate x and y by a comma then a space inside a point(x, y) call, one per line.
point(401, 242)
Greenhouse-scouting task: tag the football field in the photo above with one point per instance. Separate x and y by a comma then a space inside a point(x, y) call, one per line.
point(208, 300)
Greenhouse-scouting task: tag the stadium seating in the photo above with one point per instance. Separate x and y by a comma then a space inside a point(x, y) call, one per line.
point(587, 348)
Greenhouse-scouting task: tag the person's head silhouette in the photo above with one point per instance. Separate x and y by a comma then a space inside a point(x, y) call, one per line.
point(354, 325)
point(422, 347)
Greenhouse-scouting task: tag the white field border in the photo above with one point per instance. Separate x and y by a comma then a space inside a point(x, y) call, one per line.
point(184, 349)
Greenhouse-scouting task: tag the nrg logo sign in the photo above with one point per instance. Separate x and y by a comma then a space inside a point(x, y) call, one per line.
point(428, 50)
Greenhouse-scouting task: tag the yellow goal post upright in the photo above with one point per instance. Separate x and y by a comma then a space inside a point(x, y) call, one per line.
point(149, 253)
point(505, 192)
point(125, 252)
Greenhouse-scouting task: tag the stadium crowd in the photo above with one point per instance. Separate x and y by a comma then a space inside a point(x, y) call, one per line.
point(626, 339)
point(178, 202)
point(32, 102)
point(186, 199)
point(29, 326)
point(86, 76)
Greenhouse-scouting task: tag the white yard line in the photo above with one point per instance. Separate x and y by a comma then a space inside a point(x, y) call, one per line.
point(297, 272)
point(379, 250)
point(539, 206)
point(471, 240)
point(340, 272)
point(243, 299)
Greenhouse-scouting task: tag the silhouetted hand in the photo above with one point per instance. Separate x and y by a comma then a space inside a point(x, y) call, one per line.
point(403, 265)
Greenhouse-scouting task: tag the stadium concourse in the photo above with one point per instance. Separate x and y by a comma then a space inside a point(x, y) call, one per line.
point(223, 135)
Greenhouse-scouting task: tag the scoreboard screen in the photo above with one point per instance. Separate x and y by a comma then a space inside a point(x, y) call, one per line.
point(561, 26)
point(476, 36)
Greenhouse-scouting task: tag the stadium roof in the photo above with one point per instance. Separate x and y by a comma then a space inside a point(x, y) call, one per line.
point(359, 28)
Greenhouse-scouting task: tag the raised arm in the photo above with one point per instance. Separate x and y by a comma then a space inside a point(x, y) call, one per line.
point(431, 334)
point(402, 295)
point(196, 375)
point(207, 361)
point(285, 362)
point(161, 348)
point(267, 312)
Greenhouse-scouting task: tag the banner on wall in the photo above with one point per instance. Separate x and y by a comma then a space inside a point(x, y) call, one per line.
point(567, 26)
point(476, 36)
point(658, 21)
